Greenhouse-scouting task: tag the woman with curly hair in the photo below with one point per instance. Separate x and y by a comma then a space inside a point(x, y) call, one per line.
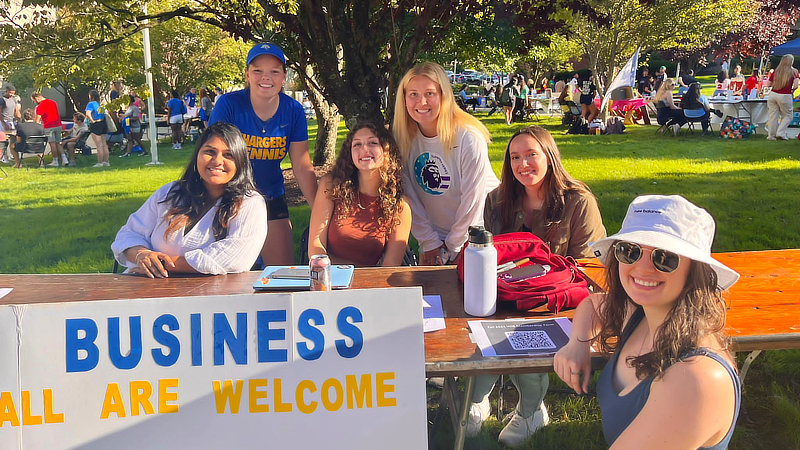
point(671, 382)
point(210, 221)
point(360, 216)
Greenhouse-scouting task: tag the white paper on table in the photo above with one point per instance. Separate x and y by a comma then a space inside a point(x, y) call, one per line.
point(432, 313)
point(493, 336)
point(5, 291)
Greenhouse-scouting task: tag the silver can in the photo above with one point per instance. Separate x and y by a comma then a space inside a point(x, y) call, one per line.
point(319, 267)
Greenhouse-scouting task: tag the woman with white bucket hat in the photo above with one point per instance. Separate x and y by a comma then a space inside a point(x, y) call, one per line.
point(671, 380)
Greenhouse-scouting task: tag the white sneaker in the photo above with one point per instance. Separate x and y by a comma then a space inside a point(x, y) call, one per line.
point(106, 164)
point(178, 146)
point(53, 164)
point(5, 160)
point(478, 412)
point(520, 429)
point(676, 129)
point(771, 138)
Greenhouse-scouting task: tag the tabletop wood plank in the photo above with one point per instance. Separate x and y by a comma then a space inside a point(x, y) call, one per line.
point(764, 310)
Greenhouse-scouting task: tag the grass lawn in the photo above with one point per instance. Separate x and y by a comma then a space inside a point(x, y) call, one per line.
point(64, 220)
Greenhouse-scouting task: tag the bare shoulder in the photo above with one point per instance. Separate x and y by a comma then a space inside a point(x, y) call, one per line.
point(697, 379)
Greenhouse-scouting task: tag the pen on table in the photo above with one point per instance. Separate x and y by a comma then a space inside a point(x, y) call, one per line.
point(511, 264)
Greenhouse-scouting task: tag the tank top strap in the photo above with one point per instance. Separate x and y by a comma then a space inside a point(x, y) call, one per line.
point(633, 322)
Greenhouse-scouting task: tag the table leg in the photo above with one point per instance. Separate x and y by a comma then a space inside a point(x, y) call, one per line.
point(746, 366)
point(645, 115)
point(462, 410)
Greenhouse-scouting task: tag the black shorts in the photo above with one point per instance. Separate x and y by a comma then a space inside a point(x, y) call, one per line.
point(98, 128)
point(277, 208)
point(587, 99)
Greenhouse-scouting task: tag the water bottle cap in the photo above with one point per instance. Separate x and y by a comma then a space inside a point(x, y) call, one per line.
point(479, 236)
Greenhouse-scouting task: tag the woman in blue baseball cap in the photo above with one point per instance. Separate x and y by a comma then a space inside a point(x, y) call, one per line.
point(272, 124)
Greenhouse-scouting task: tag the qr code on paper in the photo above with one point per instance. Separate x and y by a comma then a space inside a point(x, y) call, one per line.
point(530, 340)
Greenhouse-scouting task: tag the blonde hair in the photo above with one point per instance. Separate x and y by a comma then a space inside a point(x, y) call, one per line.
point(451, 117)
point(663, 90)
point(784, 73)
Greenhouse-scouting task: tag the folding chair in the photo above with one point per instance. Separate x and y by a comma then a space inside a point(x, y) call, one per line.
point(34, 145)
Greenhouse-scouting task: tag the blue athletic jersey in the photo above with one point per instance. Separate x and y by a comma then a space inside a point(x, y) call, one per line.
point(174, 105)
point(190, 99)
point(268, 142)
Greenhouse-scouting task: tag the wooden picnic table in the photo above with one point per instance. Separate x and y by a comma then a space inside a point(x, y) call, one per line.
point(763, 314)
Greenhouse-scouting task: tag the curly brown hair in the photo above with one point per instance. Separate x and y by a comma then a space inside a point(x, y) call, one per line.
point(698, 312)
point(345, 179)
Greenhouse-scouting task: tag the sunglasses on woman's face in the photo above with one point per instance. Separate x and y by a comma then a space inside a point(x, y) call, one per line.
point(663, 260)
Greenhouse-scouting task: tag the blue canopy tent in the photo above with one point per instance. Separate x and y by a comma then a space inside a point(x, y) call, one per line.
point(790, 48)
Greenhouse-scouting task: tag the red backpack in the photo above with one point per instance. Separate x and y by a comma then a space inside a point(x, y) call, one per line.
point(563, 286)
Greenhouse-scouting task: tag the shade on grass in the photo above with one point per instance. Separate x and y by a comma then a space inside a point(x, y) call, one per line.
point(64, 220)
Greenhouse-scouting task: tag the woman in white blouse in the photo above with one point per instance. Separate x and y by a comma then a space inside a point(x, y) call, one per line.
point(210, 221)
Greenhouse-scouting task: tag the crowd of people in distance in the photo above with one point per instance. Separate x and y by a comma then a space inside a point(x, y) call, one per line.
point(430, 176)
point(94, 122)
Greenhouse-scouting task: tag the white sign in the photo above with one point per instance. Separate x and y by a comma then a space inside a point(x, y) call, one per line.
point(310, 370)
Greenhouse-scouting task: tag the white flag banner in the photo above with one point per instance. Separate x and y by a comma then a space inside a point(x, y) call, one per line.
point(625, 77)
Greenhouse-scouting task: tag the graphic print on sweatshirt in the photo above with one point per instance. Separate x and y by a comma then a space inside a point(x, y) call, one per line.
point(431, 174)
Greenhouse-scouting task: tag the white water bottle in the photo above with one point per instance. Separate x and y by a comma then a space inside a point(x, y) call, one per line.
point(480, 274)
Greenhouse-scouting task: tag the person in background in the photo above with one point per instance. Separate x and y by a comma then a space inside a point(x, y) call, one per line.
point(273, 125)
point(96, 114)
point(661, 76)
point(723, 82)
point(360, 215)
point(211, 221)
point(462, 94)
point(205, 107)
point(491, 100)
point(666, 107)
point(644, 85)
point(78, 127)
point(672, 381)
point(28, 127)
point(446, 172)
point(116, 90)
point(573, 83)
point(685, 80)
point(9, 114)
point(508, 97)
point(133, 115)
point(779, 103)
point(536, 195)
point(217, 94)
point(190, 99)
point(588, 92)
point(695, 105)
point(752, 82)
point(558, 88)
point(47, 114)
point(176, 109)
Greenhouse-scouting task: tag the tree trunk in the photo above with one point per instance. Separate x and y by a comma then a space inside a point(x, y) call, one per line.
point(327, 121)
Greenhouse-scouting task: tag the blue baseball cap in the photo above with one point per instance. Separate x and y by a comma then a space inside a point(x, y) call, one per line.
point(267, 48)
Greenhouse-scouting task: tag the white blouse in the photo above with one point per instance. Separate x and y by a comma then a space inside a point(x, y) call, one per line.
point(235, 253)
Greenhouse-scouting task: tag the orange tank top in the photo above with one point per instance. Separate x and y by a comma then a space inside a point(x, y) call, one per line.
point(357, 239)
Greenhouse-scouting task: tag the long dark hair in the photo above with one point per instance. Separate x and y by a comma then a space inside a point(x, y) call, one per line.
point(189, 198)
point(558, 182)
point(94, 96)
point(390, 190)
point(698, 312)
point(691, 99)
point(722, 76)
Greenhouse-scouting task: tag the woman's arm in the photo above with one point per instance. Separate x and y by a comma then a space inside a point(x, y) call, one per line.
point(671, 101)
point(586, 226)
point(303, 170)
point(397, 242)
point(692, 406)
point(133, 240)
point(475, 168)
point(239, 249)
point(320, 220)
point(573, 360)
point(421, 228)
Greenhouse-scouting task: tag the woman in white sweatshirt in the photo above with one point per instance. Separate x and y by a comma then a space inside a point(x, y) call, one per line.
point(210, 221)
point(446, 173)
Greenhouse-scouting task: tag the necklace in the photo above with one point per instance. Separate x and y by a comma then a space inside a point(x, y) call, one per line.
point(358, 196)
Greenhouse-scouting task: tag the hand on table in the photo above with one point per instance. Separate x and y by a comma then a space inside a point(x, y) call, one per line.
point(572, 362)
point(153, 264)
point(432, 257)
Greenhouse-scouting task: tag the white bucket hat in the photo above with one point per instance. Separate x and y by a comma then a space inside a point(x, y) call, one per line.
point(672, 223)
